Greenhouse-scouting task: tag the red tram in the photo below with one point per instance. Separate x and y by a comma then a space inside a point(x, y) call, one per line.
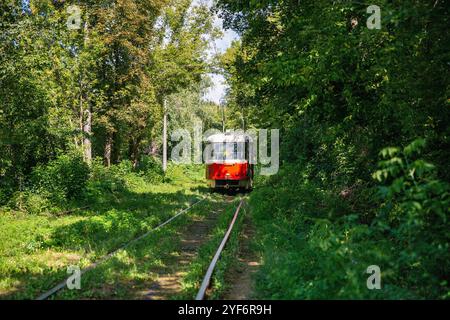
point(229, 164)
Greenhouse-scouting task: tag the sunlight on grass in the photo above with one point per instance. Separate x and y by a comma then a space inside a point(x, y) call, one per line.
point(35, 250)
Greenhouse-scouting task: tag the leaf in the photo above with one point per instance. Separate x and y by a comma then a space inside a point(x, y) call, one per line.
point(389, 151)
point(415, 146)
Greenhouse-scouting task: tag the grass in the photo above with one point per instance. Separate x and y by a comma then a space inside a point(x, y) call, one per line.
point(313, 246)
point(128, 274)
point(35, 250)
point(192, 280)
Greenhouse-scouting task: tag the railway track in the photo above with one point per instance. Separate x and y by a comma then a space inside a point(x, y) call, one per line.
point(60, 286)
point(207, 278)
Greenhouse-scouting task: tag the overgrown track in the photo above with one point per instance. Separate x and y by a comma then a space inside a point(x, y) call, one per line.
point(63, 284)
point(206, 281)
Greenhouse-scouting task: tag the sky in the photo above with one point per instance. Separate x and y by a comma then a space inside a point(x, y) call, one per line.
point(217, 92)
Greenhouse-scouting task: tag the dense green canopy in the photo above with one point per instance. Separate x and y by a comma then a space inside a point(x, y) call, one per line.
point(93, 83)
point(341, 92)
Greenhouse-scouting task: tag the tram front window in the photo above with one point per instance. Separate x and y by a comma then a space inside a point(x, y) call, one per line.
point(228, 151)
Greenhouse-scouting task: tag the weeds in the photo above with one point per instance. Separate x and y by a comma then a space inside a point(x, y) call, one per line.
point(192, 280)
point(36, 248)
point(315, 246)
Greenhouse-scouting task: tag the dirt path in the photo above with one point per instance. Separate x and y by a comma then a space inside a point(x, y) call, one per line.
point(168, 283)
point(241, 277)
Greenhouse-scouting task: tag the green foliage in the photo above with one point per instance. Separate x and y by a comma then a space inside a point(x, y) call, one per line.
point(151, 169)
point(415, 214)
point(338, 91)
point(96, 88)
point(52, 186)
point(31, 202)
point(113, 179)
point(314, 248)
point(341, 92)
point(35, 250)
point(61, 179)
point(102, 180)
point(185, 173)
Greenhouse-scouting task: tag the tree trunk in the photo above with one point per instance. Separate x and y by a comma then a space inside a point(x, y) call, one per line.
point(86, 114)
point(108, 149)
point(87, 133)
point(133, 151)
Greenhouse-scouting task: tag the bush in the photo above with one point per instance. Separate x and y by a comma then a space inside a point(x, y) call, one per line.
point(31, 202)
point(415, 215)
point(316, 248)
point(104, 179)
point(118, 177)
point(3, 196)
point(312, 247)
point(7, 187)
point(61, 179)
point(151, 169)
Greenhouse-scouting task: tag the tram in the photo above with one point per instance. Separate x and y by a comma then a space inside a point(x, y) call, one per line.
point(228, 165)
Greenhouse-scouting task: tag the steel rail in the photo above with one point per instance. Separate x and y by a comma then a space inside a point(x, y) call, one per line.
point(63, 284)
point(209, 272)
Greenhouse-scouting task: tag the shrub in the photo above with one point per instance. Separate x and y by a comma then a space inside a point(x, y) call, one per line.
point(116, 178)
point(151, 169)
point(103, 179)
point(314, 248)
point(31, 202)
point(61, 179)
point(3, 195)
point(415, 215)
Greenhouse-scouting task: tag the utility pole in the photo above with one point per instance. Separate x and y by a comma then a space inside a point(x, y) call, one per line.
point(165, 138)
point(243, 118)
point(223, 117)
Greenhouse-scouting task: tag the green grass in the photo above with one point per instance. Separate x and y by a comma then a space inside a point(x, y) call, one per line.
point(314, 246)
point(35, 250)
point(128, 274)
point(192, 280)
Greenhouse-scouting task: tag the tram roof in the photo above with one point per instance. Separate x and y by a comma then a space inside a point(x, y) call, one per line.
point(228, 137)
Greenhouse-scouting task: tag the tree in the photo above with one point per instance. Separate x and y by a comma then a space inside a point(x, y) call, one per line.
point(96, 89)
point(340, 92)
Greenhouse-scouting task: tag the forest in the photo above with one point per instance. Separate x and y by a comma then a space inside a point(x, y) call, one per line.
point(364, 120)
point(363, 111)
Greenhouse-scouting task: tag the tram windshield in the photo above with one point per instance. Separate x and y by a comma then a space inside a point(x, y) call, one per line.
point(226, 151)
